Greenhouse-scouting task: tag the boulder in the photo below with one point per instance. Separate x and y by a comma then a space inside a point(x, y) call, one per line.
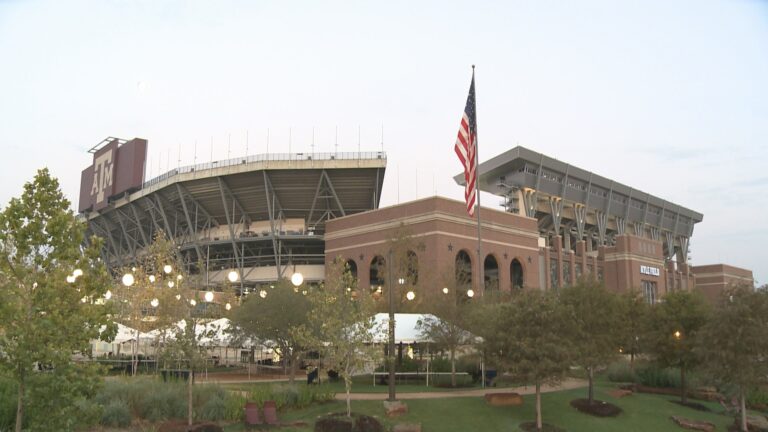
point(757, 423)
point(503, 399)
point(620, 393)
point(396, 408)
point(693, 424)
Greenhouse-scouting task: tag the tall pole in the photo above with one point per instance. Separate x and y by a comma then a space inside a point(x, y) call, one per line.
point(480, 260)
point(391, 349)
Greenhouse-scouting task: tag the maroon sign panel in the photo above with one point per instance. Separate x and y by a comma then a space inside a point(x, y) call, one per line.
point(115, 170)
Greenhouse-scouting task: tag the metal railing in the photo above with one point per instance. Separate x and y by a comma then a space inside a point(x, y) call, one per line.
point(269, 157)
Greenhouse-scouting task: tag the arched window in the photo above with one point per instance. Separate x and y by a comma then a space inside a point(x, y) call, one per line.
point(412, 270)
point(377, 272)
point(491, 273)
point(463, 273)
point(516, 273)
point(352, 267)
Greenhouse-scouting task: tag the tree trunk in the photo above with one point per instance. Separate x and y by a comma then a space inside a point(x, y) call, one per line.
point(348, 388)
point(591, 393)
point(453, 368)
point(292, 370)
point(20, 404)
point(632, 361)
point(189, 397)
point(135, 362)
point(683, 392)
point(743, 404)
point(538, 406)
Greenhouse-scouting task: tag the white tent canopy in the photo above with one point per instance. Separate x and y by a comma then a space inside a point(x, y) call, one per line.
point(125, 333)
point(405, 328)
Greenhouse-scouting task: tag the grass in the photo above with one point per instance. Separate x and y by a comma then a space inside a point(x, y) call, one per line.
point(642, 412)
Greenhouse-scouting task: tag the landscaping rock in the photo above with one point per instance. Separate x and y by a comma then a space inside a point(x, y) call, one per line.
point(396, 408)
point(364, 423)
point(503, 399)
point(407, 427)
point(757, 423)
point(620, 393)
point(693, 424)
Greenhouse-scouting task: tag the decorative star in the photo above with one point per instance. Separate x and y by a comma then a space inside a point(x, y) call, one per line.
point(361, 257)
point(505, 255)
point(450, 247)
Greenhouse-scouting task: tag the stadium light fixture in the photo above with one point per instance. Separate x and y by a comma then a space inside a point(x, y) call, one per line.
point(128, 279)
point(470, 293)
point(410, 295)
point(167, 269)
point(445, 290)
point(155, 303)
point(209, 296)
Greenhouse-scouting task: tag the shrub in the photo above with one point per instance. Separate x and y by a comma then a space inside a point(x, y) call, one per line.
point(116, 414)
point(621, 372)
point(290, 396)
point(758, 398)
point(653, 376)
point(153, 400)
point(214, 409)
point(8, 397)
point(445, 380)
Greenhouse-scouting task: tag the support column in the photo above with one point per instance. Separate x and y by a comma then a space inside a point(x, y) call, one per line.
point(602, 225)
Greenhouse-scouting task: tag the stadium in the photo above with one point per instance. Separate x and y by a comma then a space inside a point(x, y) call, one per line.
point(247, 222)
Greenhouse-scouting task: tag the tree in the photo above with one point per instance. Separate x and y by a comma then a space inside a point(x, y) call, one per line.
point(276, 320)
point(447, 329)
point(145, 298)
point(51, 292)
point(342, 325)
point(595, 327)
point(732, 344)
point(672, 332)
point(529, 337)
point(634, 321)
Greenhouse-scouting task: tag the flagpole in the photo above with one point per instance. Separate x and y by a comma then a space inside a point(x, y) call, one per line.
point(480, 260)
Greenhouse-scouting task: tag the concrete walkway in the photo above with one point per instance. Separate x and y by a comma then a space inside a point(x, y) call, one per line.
point(570, 383)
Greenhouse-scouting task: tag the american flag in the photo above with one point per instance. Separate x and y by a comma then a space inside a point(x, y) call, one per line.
point(466, 148)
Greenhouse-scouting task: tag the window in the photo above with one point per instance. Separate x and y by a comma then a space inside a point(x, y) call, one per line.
point(463, 272)
point(600, 274)
point(578, 270)
point(491, 273)
point(566, 273)
point(649, 291)
point(376, 273)
point(553, 275)
point(516, 270)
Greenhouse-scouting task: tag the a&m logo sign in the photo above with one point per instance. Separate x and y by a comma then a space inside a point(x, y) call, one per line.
point(103, 173)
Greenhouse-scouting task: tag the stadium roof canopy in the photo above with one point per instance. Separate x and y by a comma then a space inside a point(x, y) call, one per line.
point(560, 195)
point(247, 211)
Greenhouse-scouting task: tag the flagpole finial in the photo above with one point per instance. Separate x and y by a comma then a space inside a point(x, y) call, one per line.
point(473, 67)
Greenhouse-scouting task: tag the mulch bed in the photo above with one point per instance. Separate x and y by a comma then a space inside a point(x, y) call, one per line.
point(693, 405)
point(339, 422)
point(545, 427)
point(598, 408)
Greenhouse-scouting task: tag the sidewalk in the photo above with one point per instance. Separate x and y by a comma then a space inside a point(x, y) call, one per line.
point(570, 383)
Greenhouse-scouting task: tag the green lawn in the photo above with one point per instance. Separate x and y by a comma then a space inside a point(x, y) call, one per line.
point(641, 413)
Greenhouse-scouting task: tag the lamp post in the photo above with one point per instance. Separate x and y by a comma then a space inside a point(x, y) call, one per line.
point(391, 349)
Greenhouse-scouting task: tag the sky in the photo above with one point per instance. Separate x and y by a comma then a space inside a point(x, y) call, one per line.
point(668, 97)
